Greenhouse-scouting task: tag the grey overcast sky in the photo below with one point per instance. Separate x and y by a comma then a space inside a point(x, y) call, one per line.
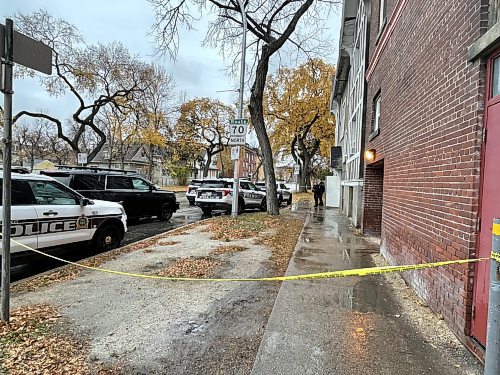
point(197, 71)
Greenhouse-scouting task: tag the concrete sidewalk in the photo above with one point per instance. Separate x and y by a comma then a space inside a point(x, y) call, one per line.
point(351, 325)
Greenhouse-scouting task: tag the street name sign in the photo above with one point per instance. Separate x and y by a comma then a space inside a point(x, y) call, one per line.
point(238, 131)
point(28, 52)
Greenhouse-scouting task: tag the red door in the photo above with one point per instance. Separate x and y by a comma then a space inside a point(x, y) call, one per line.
point(490, 197)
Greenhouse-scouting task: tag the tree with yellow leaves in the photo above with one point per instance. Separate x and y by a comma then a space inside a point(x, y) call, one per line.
point(202, 126)
point(298, 115)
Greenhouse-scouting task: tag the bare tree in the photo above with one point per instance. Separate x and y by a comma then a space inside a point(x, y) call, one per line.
point(32, 141)
point(59, 151)
point(273, 28)
point(153, 110)
point(107, 73)
point(121, 134)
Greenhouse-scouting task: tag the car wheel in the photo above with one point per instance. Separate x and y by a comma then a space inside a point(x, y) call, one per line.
point(289, 201)
point(107, 238)
point(263, 205)
point(165, 212)
point(206, 211)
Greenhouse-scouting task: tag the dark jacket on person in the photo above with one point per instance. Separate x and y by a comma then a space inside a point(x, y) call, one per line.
point(321, 188)
point(317, 190)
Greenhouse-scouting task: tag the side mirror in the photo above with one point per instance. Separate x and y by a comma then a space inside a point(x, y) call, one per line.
point(84, 202)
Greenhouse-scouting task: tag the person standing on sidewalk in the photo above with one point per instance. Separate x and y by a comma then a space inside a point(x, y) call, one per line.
point(318, 194)
point(321, 192)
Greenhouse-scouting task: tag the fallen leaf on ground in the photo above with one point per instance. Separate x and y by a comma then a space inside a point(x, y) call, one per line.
point(191, 267)
point(228, 249)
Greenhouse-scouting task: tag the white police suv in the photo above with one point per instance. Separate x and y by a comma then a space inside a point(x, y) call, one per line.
point(48, 216)
point(217, 194)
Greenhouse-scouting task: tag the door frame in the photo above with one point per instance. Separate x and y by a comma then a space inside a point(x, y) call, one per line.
point(488, 101)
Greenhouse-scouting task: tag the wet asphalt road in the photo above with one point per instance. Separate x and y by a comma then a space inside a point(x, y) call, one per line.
point(137, 232)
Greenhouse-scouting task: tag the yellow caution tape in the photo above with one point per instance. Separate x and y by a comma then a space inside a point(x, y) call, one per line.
point(496, 229)
point(495, 256)
point(322, 275)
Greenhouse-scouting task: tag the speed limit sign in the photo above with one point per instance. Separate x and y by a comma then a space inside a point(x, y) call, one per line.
point(237, 131)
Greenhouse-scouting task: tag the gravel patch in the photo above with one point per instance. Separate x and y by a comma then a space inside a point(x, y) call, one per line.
point(430, 325)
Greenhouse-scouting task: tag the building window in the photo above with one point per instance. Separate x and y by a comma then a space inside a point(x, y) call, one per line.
point(376, 117)
point(382, 12)
point(495, 84)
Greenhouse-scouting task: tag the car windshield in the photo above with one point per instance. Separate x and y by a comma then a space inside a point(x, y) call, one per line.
point(260, 184)
point(195, 183)
point(62, 179)
point(216, 184)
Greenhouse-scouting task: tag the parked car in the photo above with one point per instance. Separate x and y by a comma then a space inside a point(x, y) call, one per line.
point(217, 194)
point(191, 190)
point(139, 197)
point(50, 216)
point(284, 193)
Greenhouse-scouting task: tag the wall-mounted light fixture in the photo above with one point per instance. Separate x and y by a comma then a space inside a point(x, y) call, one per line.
point(370, 155)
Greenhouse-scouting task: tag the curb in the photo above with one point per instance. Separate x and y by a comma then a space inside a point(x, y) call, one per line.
point(300, 239)
point(56, 269)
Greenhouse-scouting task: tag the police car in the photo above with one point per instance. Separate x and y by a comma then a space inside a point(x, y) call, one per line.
point(48, 215)
point(217, 194)
point(191, 190)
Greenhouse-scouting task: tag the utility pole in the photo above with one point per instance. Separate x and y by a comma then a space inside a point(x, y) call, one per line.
point(492, 362)
point(7, 76)
point(236, 183)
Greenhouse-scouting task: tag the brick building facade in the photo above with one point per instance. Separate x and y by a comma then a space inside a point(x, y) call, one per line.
point(248, 163)
point(424, 121)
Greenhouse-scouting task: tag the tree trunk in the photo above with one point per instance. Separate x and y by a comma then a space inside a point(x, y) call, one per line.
point(302, 181)
point(207, 165)
point(257, 115)
point(151, 163)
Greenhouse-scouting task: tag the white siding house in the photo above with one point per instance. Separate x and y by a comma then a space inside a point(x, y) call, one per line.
point(348, 104)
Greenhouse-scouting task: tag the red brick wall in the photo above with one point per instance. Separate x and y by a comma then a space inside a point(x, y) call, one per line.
point(430, 140)
point(372, 199)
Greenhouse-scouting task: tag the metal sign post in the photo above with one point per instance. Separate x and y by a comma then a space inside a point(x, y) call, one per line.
point(236, 183)
point(492, 362)
point(7, 74)
point(14, 48)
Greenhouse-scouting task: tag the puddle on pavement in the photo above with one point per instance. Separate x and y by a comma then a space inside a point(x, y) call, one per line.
point(331, 232)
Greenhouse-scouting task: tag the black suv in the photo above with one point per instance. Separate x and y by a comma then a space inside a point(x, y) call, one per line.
point(139, 197)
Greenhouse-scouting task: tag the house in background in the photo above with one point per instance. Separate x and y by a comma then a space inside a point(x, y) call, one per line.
point(41, 165)
point(348, 104)
point(135, 159)
point(432, 182)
